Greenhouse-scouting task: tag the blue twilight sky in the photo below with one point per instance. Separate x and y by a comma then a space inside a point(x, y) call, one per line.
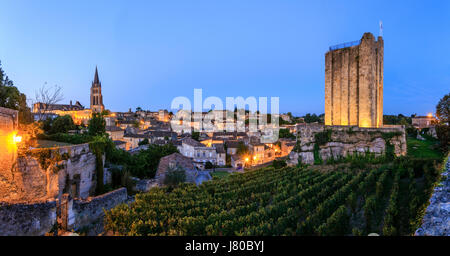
point(149, 52)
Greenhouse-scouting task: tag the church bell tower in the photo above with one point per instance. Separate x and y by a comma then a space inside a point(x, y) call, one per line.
point(96, 94)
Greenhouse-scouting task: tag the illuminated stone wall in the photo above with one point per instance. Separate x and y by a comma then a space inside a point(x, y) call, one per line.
point(354, 84)
point(29, 180)
point(345, 141)
point(8, 150)
point(78, 116)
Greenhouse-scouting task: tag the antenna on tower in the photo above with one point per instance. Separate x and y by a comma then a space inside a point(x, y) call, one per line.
point(381, 28)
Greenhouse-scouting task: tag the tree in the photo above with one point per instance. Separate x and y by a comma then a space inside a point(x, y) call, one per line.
point(61, 124)
point(443, 109)
point(443, 134)
point(11, 97)
point(242, 149)
point(145, 163)
point(45, 97)
point(144, 142)
point(195, 135)
point(278, 164)
point(285, 133)
point(209, 165)
point(311, 118)
point(96, 125)
point(174, 176)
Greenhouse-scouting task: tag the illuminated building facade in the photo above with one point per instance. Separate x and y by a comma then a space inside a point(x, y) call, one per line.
point(79, 114)
point(354, 83)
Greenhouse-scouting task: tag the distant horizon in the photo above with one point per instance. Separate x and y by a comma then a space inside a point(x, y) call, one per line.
point(149, 53)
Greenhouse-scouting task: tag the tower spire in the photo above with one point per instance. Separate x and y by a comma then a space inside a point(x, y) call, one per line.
point(96, 94)
point(96, 80)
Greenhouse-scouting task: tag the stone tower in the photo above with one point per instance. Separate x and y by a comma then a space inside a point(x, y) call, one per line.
point(354, 83)
point(96, 94)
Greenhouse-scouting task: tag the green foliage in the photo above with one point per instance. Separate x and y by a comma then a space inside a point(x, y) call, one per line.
point(423, 149)
point(145, 163)
point(66, 138)
point(11, 97)
point(143, 142)
point(286, 201)
point(285, 133)
point(411, 131)
point(443, 109)
point(175, 176)
point(278, 164)
point(312, 118)
point(60, 124)
point(443, 134)
point(97, 124)
point(98, 148)
point(242, 149)
point(317, 158)
point(396, 120)
point(195, 135)
point(321, 138)
point(220, 174)
point(387, 201)
point(209, 165)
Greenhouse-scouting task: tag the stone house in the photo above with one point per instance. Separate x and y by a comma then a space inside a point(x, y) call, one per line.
point(114, 132)
point(232, 147)
point(221, 154)
point(286, 146)
point(420, 122)
point(285, 117)
point(163, 115)
point(161, 136)
point(175, 160)
point(200, 153)
point(110, 120)
point(124, 124)
point(120, 144)
point(237, 162)
point(133, 140)
point(257, 151)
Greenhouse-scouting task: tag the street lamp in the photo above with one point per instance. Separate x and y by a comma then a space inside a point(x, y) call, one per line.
point(17, 139)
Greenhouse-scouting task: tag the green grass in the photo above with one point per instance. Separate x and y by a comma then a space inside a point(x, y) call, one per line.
point(423, 149)
point(50, 144)
point(220, 174)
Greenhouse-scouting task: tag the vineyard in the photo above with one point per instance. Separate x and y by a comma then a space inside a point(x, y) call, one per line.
point(388, 200)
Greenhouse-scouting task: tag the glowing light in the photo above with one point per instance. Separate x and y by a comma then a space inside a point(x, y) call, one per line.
point(430, 115)
point(364, 123)
point(246, 159)
point(254, 158)
point(17, 139)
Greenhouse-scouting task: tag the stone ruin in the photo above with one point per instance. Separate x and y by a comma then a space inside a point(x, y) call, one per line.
point(346, 140)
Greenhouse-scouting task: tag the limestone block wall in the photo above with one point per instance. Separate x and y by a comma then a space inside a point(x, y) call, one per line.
point(8, 150)
point(354, 84)
point(71, 170)
point(346, 140)
point(85, 212)
point(27, 219)
point(40, 217)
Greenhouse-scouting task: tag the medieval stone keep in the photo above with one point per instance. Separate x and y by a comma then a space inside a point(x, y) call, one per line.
point(354, 83)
